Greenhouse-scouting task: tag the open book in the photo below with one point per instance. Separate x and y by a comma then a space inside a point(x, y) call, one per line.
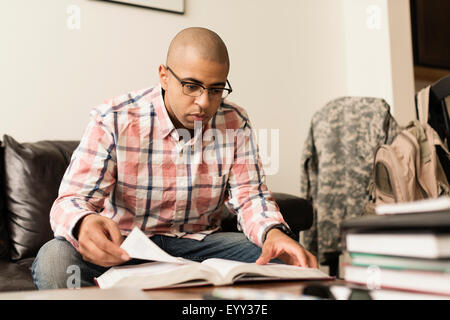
point(168, 271)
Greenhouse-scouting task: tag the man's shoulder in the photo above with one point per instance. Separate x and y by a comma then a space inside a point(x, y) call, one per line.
point(232, 115)
point(132, 104)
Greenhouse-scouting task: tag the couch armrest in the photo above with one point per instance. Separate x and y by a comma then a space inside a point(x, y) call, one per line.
point(296, 211)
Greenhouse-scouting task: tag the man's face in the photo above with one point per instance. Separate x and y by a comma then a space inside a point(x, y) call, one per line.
point(184, 110)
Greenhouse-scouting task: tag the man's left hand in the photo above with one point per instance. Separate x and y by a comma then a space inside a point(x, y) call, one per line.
point(279, 245)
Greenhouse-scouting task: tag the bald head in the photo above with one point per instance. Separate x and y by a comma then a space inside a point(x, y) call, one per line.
point(200, 41)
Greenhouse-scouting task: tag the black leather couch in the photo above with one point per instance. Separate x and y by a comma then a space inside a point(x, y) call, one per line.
point(30, 174)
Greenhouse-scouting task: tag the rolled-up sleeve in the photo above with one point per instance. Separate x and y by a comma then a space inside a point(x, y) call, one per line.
point(88, 180)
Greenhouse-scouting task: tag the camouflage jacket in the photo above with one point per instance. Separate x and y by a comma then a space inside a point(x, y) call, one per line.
point(336, 165)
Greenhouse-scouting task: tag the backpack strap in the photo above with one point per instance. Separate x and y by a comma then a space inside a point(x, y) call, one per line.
point(423, 101)
point(419, 132)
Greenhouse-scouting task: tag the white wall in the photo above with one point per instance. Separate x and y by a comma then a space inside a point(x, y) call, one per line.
point(379, 53)
point(367, 49)
point(288, 58)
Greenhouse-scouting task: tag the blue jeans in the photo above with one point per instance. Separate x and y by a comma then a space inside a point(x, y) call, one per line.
point(59, 265)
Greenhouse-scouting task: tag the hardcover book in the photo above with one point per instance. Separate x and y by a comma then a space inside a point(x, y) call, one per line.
point(167, 271)
point(411, 280)
point(418, 245)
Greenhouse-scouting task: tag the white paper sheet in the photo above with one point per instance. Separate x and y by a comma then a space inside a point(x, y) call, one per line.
point(138, 246)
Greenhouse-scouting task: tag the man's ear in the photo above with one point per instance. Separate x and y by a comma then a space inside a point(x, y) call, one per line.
point(163, 76)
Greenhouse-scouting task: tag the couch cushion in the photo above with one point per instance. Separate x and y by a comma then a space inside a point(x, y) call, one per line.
point(15, 276)
point(33, 173)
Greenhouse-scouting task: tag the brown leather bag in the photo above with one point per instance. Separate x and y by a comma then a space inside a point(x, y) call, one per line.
point(409, 168)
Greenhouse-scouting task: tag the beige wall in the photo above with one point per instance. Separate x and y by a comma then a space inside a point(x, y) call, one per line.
point(402, 64)
point(288, 58)
point(379, 53)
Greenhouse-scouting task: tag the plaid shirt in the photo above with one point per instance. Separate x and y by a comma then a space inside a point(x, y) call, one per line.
point(132, 166)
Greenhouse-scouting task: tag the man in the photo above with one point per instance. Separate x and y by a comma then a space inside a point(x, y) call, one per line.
point(138, 165)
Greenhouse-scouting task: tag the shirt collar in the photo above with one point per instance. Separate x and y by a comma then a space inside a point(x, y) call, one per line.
point(165, 123)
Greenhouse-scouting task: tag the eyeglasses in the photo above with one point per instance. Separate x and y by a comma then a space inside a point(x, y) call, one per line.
point(196, 90)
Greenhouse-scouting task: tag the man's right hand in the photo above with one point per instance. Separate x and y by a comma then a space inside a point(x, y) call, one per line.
point(99, 241)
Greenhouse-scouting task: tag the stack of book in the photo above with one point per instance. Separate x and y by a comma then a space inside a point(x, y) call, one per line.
point(405, 247)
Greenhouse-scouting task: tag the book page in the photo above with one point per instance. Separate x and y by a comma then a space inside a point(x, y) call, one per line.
point(138, 246)
point(155, 275)
point(231, 270)
point(115, 274)
point(222, 266)
point(420, 206)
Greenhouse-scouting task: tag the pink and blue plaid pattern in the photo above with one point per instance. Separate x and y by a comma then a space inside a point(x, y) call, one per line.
point(133, 167)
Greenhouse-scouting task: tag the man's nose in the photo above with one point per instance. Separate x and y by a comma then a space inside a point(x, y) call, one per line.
point(203, 100)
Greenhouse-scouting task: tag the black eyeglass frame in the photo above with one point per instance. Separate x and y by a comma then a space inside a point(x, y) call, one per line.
point(183, 83)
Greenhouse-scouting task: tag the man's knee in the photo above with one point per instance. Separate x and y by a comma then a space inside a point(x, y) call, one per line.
point(236, 246)
point(56, 266)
